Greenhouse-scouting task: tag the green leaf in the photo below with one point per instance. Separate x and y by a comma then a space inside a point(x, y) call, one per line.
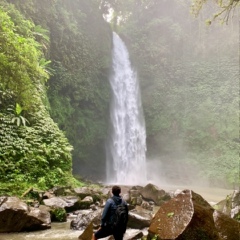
point(170, 214)
point(18, 109)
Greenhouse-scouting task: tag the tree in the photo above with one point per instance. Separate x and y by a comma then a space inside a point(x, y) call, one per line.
point(226, 8)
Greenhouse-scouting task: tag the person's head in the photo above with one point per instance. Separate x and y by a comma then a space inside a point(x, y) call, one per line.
point(116, 190)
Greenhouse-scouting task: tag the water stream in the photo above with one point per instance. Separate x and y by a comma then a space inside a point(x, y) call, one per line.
point(126, 149)
point(58, 231)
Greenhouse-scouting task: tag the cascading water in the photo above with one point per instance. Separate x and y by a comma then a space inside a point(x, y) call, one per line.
point(126, 149)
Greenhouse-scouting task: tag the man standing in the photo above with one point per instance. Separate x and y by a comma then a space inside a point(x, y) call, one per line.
point(114, 217)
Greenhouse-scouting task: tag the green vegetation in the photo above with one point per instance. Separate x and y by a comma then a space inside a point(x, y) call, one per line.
point(54, 64)
point(59, 215)
point(33, 149)
point(78, 90)
point(55, 59)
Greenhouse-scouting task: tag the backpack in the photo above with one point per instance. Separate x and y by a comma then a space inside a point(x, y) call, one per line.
point(120, 218)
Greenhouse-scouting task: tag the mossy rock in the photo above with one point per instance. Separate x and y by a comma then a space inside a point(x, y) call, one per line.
point(58, 215)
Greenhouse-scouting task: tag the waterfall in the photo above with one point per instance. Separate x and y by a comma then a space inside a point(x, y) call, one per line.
point(126, 148)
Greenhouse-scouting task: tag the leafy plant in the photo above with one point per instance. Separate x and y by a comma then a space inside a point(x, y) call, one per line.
point(20, 120)
point(59, 215)
point(44, 64)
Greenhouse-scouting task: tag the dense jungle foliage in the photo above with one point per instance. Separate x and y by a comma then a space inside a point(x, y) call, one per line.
point(33, 149)
point(78, 90)
point(55, 58)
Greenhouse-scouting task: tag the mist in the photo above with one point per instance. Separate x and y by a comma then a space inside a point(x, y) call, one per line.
point(190, 97)
point(188, 71)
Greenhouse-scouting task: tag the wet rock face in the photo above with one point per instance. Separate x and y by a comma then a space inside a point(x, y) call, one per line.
point(138, 220)
point(83, 192)
point(227, 227)
point(69, 203)
point(16, 216)
point(84, 217)
point(88, 232)
point(231, 205)
point(187, 216)
point(86, 203)
point(135, 197)
point(152, 192)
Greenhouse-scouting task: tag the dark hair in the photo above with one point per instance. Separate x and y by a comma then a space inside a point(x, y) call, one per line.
point(116, 190)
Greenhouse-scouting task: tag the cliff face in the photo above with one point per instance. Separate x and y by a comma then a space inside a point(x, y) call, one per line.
point(80, 51)
point(55, 57)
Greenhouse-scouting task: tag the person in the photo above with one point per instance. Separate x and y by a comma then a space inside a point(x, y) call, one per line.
point(106, 228)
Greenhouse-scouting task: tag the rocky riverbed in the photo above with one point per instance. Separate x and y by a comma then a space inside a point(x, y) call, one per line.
point(150, 206)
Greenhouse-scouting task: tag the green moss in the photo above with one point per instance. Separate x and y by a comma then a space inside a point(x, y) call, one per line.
point(58, 215)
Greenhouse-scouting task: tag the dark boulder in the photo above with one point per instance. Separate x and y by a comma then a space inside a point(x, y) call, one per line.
point(87, 233)
point(227, 227)
point(186, 216)
point(83, 192)
point(135, 198)
point(69, 203)
point(86, 203)
point(138, 220)
point(230, 205)
point(152, 192)
point(84, 218)
point(17, 216)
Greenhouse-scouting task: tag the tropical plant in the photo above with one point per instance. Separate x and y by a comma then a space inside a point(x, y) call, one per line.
point(18, 119)
point(58, 214)
point(37, 154)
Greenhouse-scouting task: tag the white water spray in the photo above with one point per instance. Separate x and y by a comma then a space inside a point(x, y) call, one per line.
point(126, 150)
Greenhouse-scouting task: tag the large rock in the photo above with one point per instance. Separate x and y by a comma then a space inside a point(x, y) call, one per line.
point(86, 202)
point(138, 220)
point(135, 198)
point(69, 203)
point(227, 227)
point(187, 216)
point(88, 232)
point(62, 191)
point(84, 218)
point(83, 192)
point(152, 192)
point(230, 205)
point(133, 235)
point(17, 216)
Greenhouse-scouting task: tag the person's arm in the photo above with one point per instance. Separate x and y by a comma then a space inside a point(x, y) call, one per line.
point(105, 213)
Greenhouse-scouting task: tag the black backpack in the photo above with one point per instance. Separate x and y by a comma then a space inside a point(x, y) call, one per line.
point(120, 218)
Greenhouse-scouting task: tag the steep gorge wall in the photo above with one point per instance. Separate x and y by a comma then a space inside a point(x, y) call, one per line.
point(79, 48)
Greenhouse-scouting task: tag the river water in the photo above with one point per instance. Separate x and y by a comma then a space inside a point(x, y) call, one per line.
point(59, 231)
